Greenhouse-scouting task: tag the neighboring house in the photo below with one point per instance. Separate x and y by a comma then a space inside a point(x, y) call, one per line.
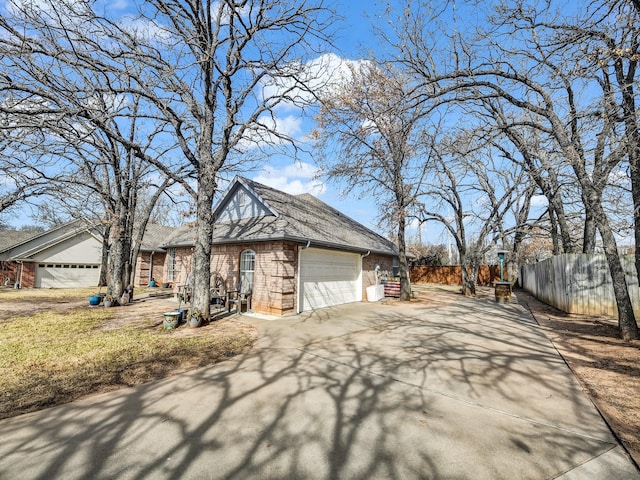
point(66, 256)
point(70, 256)
point(293, 252)
point(9, 270)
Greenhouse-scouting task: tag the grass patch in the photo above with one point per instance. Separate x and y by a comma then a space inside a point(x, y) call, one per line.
point(55, 357)
point(43, 294)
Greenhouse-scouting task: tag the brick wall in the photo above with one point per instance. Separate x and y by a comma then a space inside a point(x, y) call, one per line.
point(27, 277)
point(276, 264)
point(143, 273)
point(9, 272)
point(368, 269)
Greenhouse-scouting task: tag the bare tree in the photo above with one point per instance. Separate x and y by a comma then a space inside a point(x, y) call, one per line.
point(472, 194)
point(61, 94)
point(216, 71)
point(378, 141)
point(526, 61)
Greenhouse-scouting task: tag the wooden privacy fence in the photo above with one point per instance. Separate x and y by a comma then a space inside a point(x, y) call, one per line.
point(579, 283)
point(452, 274)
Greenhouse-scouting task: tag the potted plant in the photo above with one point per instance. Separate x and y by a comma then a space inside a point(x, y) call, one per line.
point(195, 317)
point(171, 319)
point(109, 301)
point(94, 300)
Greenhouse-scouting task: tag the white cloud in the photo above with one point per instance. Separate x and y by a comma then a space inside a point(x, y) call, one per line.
point(539, 201)
point(145, 29)
point(322, 75)
point(272, 131)
point(294, 178)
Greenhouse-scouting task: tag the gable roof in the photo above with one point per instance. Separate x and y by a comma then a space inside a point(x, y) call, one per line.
point(155, 235)
point(11, 238)
point(40, 241)
point(298, 218)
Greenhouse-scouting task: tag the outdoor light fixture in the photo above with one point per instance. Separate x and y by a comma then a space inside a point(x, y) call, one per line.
point(501, 254)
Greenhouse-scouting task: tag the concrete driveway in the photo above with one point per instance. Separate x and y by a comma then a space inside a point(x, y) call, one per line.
point(450, 388)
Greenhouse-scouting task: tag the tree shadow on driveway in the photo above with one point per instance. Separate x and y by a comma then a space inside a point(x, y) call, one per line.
point(467, 389)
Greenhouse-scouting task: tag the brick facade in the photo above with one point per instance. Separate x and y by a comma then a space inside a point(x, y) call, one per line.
point(143, 272)
point(27, 277)
point(9, 272)
point(276, 265)
point(369, 269)
point(275, 277)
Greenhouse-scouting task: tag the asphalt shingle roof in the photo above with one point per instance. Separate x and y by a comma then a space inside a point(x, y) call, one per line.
point(155, 236)
point(300, 218)
point(11, 238)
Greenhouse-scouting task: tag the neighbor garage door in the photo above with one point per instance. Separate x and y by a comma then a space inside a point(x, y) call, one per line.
point(328, 278)
point(66, 275)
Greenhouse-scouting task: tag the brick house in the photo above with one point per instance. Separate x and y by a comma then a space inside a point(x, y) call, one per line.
point(66, 256)
point(293, 252)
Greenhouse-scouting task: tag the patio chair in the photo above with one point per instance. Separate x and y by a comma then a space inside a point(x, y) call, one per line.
point(185, 291)
point(217, 294)
point(239, 297)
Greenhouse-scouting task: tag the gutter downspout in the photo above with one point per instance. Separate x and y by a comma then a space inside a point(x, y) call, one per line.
point(150, 267)
point(362, 273)
point(299, 282)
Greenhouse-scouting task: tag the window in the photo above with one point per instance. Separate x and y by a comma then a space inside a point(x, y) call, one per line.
point(396, 267)
point(247, 267)
point(171, 267)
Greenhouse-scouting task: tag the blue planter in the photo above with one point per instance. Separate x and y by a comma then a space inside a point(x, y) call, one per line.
point(95, 300)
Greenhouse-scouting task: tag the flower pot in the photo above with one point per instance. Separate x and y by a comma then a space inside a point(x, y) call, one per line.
point(171, 319)
point(108, 303)
point(195, 322)
point(95, 300)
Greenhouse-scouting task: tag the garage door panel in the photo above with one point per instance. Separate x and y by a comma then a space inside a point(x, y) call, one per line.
point(328, 278)
point(66, 276)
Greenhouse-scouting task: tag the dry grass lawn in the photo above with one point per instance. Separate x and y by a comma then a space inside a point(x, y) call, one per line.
point(54, 348)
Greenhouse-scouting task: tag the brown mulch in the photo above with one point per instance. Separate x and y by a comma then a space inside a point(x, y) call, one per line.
point(607, 366)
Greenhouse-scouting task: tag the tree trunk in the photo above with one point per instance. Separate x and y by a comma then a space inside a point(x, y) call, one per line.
point(118, 258)
point(104, 261)
point(554, 231)
point(589, 233)
point(120, 270)
point(202, 249)
point(468, 283)
point(633, 151)
point(405, 286)
point(626, 318)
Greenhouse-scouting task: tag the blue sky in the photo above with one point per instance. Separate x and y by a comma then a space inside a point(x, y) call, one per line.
point(353, 36)
point(353, 40)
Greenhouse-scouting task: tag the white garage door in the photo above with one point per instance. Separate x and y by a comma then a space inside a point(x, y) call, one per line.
point(49, 275)
point(329, 278)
